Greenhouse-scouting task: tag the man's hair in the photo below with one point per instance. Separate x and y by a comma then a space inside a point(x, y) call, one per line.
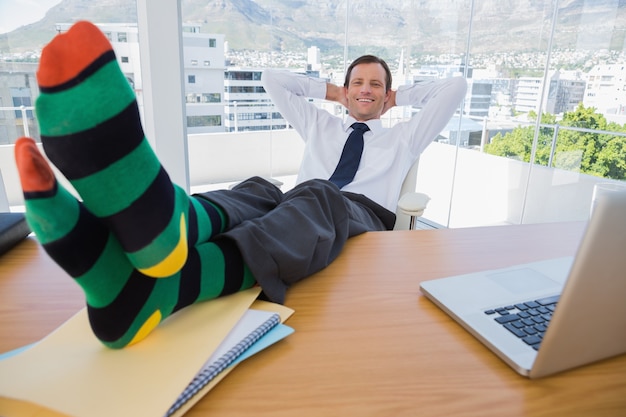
point(369, 59)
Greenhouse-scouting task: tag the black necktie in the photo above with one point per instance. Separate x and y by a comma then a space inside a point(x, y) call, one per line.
point(350, 156)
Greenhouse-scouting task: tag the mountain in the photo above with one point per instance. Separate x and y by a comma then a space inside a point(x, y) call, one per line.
point(34, 36)
point(433, 26)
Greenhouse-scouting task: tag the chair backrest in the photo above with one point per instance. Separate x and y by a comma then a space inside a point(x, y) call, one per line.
point(408, 186)
point(4, 200)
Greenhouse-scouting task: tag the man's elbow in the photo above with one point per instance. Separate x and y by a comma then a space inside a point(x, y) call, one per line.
point(460, 85)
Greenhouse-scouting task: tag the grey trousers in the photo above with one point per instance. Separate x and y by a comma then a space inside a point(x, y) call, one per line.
point(285, 237)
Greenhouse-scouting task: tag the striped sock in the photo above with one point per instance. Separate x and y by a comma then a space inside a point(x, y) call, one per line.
point(124, 305)
point(91, 130)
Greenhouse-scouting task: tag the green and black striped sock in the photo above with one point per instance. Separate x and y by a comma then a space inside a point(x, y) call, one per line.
point(91, 130)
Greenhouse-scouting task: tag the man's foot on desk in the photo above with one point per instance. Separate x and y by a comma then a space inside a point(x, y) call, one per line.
point(124, 305)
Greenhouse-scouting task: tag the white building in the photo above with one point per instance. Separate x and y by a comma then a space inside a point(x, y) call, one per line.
point(314, 62)
point(203, 56)
point(606, 89)
point(246, 104)
point(528, 94)
point(18, 92)
point(565, 92)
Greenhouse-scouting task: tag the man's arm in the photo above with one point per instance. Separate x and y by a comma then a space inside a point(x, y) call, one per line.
point(290, 93)
point(437, 100)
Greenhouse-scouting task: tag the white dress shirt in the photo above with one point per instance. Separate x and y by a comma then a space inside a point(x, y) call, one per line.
point(388, 153)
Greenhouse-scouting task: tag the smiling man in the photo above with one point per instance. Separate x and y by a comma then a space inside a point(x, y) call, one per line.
point(388, 153)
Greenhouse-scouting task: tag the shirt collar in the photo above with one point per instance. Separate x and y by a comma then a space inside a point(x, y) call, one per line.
point(375, 125)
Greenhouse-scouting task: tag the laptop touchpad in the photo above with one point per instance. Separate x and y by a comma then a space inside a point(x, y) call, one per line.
point(522, 280)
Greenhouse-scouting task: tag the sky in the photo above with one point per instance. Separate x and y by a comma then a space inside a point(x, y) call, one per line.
point(16, 13)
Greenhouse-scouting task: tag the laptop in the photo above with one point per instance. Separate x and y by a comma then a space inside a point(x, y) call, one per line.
point(546, 317)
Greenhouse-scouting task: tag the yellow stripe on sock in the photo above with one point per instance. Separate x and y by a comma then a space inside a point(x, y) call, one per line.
point(152, 322)
point(175, 260)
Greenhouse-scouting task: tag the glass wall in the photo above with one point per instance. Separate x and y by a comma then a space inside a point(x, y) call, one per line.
point(543, 120)
point(579, 128)
point(544, 115)
point(546, 82)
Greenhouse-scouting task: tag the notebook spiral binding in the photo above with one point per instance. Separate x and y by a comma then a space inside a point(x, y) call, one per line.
point(209, 373)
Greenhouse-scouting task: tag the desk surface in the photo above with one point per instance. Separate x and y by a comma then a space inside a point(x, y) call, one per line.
point(367, 342)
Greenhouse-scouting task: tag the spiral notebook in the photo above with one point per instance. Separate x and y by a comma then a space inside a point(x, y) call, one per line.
point(253, 326)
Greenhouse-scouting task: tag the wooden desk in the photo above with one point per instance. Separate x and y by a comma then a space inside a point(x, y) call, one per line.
point(367, 342)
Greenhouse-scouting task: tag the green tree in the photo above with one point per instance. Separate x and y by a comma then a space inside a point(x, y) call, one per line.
point(594, 153)
point(518, 143)
point(611, 161)
point(585, 144)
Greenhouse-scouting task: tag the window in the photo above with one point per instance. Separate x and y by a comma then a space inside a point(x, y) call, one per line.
point(212, 43)
point(122, 37)
point(124, 60)
point(211, 98)
point(243, 75)
point(203, 98)
point(204, 121)
point(241, 89)
point(22, 98)
point(191, 79)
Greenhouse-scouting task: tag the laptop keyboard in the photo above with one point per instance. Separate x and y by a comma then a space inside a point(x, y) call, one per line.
point(528, 320)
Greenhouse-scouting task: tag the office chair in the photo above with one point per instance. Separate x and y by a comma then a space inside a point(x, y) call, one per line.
point(411, 204)
point(4, 200)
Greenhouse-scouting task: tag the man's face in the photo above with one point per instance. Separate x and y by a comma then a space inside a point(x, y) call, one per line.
point(366, 91)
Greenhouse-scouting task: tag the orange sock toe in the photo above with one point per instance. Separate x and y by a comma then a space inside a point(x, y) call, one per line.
point(35, 173)
point(69, 53)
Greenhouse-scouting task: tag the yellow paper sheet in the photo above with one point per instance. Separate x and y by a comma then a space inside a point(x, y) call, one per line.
point(72, 373)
